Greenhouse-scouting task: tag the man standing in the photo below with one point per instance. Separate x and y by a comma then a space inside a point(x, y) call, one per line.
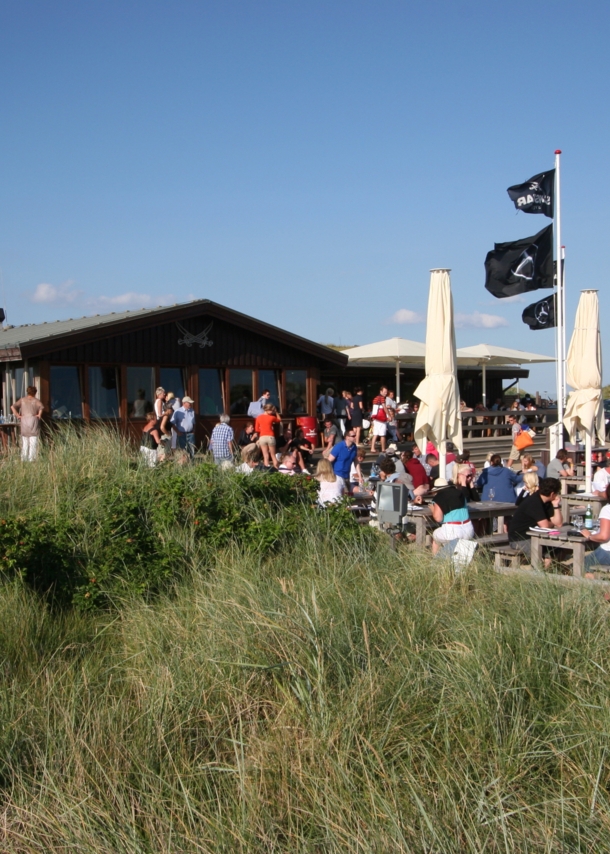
point(28, 411)
point(515, 429)
point(379, 419)
point(183, 422)
point(343, 455)
point(391, 408)
point(221, 439)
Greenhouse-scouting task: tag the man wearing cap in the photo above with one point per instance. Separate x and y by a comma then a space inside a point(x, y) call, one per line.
point(183, 422)
point(450, 510)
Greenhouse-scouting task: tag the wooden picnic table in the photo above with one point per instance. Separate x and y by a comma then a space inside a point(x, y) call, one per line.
point(574, 542)
point(567, 482)
point(8, 434)
point(476, 509)
point(574, 500)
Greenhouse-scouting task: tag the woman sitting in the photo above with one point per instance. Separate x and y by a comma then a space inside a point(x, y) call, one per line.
point(251, 457)
point(150, 440)
point(303, 447)
point(528, 487)
point(289, 463)
point(499, 479)
point(332, 486)
point(601, 555)
point(463, 478)
point(450, 510)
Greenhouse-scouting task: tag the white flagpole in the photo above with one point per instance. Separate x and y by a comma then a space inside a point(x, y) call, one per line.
point(560, 306)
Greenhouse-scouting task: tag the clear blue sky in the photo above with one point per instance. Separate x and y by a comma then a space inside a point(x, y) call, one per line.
point(303, 162)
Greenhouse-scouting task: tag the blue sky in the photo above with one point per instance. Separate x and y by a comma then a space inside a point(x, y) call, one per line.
point(304, 162)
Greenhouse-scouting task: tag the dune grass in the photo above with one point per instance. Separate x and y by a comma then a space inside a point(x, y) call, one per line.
point(330, 697)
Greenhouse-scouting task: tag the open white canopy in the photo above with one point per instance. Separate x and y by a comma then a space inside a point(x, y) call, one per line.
point(488, 355)
point(401, 351)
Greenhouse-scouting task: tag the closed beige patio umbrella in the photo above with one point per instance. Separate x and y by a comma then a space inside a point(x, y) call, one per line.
point(585, 407)
point(439, 417)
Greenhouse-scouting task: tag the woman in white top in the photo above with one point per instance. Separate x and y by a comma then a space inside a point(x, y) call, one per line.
point(601, 555)
point(332, 486)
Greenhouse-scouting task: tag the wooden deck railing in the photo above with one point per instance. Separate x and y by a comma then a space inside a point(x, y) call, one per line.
point(486, 423)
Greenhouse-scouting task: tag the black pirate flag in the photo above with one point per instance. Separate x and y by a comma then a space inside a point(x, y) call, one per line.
point(541, 314)
point(521, 265)
point(535, 195)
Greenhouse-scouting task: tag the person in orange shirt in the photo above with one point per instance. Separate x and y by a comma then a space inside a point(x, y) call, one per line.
point(264, 426)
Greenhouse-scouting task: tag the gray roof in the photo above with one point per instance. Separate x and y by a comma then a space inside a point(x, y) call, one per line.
point(14, 336)
point(15, 340)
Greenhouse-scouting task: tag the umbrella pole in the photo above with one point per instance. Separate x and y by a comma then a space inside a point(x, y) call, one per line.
point(588, 466)
point(397, 381)
point(442, 459)
point(484, 384)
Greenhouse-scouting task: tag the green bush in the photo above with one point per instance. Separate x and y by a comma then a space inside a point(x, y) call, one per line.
point(93, 524)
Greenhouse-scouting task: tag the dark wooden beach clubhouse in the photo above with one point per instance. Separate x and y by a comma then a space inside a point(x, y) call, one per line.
point(107, 367)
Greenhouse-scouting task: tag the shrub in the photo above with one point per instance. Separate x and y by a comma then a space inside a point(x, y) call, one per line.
point(110, 527)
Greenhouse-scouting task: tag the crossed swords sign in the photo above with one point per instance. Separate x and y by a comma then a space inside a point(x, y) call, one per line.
point(189, 339)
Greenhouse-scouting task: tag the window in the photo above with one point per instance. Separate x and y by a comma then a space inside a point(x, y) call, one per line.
point(104, 393)
point(66, 397)
point(140, 391)
point(270, 380)
point(210, 391)
point(296, 392)
point(173, 379)
point(240, 391)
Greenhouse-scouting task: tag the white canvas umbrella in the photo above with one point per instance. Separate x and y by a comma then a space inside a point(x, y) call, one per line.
point(585, 407)
point(439, 415)
point(400, 351)
point(488, 356)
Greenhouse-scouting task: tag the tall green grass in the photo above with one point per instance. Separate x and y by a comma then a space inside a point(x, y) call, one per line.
point(331, 697)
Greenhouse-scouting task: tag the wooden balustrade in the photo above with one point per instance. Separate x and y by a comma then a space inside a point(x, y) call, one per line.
point(484, 423)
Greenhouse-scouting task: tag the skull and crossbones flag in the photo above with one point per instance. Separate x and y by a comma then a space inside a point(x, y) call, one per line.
point(541, 314)
point(536, 195)
point(520, 265)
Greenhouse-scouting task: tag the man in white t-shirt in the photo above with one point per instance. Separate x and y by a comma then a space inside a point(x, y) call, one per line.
point(601, 479)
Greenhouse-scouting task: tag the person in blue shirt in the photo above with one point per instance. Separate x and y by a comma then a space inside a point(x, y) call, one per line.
point(183, 422)
point(343, 455)
point(502, 480)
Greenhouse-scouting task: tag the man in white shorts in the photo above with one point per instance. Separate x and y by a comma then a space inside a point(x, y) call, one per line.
point(379, 419)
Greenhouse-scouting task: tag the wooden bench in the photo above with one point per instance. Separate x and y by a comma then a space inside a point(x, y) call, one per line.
point(493, 540)
point(507, 556)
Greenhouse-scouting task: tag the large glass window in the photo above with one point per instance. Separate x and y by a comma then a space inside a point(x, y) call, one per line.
point(140, 391)
point(173, 379)
point(66, 397)
point(270, 380)
point(210, 391)
point(240, 392)
point(296, 392)
point(103, 392)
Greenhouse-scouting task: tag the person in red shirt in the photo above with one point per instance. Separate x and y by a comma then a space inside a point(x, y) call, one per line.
point(379, 419)
point(421, 482)
point(264, 426)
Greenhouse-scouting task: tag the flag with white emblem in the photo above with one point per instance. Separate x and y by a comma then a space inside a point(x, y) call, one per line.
point(536, 195)
point(520, 265)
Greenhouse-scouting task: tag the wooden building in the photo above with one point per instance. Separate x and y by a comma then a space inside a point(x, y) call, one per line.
point(107, 367)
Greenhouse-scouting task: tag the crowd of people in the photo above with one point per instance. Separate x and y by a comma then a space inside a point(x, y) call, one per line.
point(521, 479)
